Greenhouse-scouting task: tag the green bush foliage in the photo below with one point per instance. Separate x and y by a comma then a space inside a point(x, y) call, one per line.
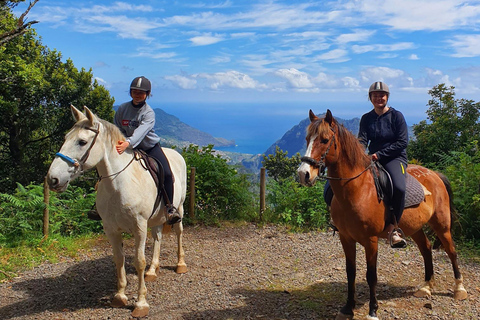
point(463, 171)
point(291, 204)
point(221, 192)
point(21, 215)
point(287, 201)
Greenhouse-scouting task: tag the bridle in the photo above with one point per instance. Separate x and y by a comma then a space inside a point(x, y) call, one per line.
point(320, 164)
point(83, 159)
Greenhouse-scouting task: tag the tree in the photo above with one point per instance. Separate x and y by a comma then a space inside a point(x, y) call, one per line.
point(36, 90)
point(279, 166)
point(453, 125)
point(21, 26)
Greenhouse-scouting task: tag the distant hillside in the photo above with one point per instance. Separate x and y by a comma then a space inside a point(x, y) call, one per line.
point(174, 132)
point(293, 141)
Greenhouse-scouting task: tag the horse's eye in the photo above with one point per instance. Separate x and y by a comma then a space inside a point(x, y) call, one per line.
point(82, 143)
point(324, 141)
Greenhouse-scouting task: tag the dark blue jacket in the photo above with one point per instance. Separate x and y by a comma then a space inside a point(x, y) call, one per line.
point(387, 134)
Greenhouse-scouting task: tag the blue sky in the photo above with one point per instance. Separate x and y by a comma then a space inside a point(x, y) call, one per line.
point(289, 55)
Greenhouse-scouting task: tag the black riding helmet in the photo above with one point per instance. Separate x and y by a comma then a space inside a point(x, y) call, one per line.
point(141, 83)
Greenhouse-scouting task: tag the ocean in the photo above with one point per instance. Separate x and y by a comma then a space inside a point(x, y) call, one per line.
point(253, 127)
point(256, 126)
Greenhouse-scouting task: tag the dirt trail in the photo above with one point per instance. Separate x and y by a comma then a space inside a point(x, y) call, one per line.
point(243, 272)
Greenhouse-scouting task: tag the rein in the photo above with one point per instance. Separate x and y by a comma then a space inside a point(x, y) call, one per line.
point(117, 173)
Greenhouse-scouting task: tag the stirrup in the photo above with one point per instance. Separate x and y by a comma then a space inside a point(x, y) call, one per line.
point(173, 216)
point(399, 245)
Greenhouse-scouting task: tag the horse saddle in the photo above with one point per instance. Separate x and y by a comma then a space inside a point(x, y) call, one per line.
point(414, 194)
point(156, 171)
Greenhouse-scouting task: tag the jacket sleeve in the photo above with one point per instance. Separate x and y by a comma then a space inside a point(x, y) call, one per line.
point(147, 123)
point(362, 132)
point(401, 142)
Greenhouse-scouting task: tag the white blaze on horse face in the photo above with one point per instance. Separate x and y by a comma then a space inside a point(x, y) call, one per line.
point(305, 167)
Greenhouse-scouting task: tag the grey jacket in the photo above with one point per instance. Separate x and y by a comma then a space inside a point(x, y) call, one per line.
point(137, 125)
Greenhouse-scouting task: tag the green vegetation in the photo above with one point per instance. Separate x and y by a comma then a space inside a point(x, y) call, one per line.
point(36, 89)
point(221, 192)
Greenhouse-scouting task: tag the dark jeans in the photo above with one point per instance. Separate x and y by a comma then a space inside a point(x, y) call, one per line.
point(398, 171)
point(158, 154)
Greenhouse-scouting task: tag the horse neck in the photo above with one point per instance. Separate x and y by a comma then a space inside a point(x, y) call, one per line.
point(350, 178)
point(112, 162)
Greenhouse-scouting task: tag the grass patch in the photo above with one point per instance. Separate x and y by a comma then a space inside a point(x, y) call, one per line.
point(55, 249)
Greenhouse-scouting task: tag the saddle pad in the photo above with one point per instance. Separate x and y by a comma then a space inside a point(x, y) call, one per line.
point(414, 194)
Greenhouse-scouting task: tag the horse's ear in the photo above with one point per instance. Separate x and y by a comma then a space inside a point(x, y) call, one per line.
point(90, 116)
point(77, 114)
point(312, 116)
point(329, 117)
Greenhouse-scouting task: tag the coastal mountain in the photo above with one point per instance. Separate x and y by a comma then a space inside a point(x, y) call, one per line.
point(174, 132)
point(293, 140)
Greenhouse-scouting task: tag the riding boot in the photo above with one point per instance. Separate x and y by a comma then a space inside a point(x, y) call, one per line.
point(394, 238)
point(173, 216)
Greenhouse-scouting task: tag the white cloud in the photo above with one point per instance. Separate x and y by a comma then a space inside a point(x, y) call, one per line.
point(296, 79)
point(182, 81)
point(383, 47)
point(413, 57)
point(413, 15)
point(466, 46)
point(336, 55)
point(372, 74)
point(232, 79)
point(206, 40)
point(357, 36)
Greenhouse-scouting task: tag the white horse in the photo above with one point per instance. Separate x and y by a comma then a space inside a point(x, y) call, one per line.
point(125, 196)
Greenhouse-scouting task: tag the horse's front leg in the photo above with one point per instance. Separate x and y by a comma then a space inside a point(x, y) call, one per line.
point(181, 265)
point(151, 274)
point(425, 248)
point(350, 251)
point(141, 306)
point(115, 238)
point(371, 253)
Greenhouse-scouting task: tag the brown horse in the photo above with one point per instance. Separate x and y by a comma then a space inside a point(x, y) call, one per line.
point(360, 217)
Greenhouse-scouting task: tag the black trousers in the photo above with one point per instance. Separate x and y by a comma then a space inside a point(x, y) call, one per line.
point(398, 173)
point(158, 154)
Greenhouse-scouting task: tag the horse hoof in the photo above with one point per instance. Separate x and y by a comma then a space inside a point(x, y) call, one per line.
point(140, 312)
point(460, 294)
point(422, 293)
point(119, 301)
point(150, 277)
point(341, 316)
point(181, 269)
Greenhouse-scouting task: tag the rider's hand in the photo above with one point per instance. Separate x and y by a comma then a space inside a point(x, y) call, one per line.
point(374, 157)
point(122, 146)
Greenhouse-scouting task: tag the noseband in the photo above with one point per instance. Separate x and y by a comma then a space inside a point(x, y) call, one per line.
point(83, 159)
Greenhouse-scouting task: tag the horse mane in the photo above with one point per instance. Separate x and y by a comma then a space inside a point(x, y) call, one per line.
point(111, 130)
point(352, 150)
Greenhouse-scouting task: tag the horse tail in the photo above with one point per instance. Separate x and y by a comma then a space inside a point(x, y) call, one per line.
point(453, 210)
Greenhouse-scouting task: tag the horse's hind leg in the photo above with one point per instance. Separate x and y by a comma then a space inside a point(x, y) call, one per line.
point(425, 248)
point(181, 265)
point(151, 274)
point(459, 292)
point(120, 299)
